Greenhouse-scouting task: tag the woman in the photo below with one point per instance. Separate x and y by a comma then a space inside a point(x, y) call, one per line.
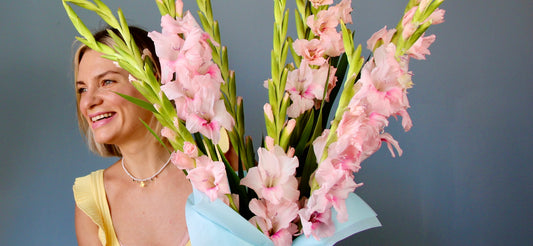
point(140, 199)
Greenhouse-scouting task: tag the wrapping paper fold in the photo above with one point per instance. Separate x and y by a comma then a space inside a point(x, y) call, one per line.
point(214, 223)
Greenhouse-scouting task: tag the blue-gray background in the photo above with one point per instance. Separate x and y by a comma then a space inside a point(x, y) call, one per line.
point(465, 177)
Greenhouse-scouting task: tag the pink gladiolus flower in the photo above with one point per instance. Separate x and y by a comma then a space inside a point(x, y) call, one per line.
point(167, 49)
point(344, 11)
point(312, 51)
point(409, 27)
point(387, 69)
point(284, 236)
point(382, 36)
point(186, 159)
point(302, 90)
point(437, 17)
point(184, 25)
point(190, 86)
point(207, 116)
point(345, 153)
point(332, 41)
point(406, 120)
point(335, 186)
point(167, 46)
point(196, 52)
point(299, 105)
point(381, 91)
point(273, 178)
point(407, 22)
point(319, 144)
point(305, 85)
point(209, 177)
point(318, 3)
point(275, 220)
point(387, 138)
point(325, 20)
point(182, 160)
point(419, 50)
point(358, 138)
point(316, 218)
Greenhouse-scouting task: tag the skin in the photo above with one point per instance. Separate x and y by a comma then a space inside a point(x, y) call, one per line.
point(150, 215)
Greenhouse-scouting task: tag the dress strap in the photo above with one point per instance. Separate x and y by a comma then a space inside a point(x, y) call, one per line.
point(90, 197)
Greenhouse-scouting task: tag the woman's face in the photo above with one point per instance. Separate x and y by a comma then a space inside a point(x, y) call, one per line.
point(112, 119)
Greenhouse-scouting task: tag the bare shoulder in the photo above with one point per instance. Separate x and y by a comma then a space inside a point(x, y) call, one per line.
point(86, 229)
point(112, 178)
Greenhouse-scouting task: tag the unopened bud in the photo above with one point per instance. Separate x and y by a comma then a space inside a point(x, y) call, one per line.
point(269, 142)
point(290, 126)
point(168, 133)
point(268, 112)
point(179, 8)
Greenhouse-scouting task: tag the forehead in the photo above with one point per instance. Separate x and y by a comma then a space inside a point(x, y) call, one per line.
point(92, 64)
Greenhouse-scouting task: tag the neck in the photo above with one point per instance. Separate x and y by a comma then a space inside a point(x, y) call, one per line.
point(144, 158)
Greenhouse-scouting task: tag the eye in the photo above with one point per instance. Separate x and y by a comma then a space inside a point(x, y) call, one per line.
point(107, 82)
point(81, 90)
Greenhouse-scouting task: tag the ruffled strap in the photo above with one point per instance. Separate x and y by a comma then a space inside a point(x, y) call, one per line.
point(90, 197)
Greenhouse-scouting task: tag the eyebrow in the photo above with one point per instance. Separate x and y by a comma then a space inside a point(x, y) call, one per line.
point(98, 77)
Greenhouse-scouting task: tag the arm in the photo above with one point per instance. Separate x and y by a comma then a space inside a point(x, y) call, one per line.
point(86, 229)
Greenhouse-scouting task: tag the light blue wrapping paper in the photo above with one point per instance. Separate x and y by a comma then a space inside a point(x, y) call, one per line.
point(214, 223)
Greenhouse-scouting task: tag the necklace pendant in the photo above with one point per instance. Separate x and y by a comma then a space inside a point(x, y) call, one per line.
point(142, 184)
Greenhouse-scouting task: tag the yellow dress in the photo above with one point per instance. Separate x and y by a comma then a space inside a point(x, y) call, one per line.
point(90, 197)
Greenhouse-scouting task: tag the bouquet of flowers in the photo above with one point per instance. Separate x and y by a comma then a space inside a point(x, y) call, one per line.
point(301, 186)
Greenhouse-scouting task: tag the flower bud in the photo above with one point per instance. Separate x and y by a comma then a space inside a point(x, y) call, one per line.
point(268, 112)
point(290, 126)
point(190, 149)
point(179, 8)
point(168, 133)
point(269, 142)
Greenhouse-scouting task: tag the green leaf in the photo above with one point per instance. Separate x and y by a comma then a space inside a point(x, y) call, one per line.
point(104, 48)
point(139, 102)
point(249, 147)
point(155, 135)
point(300, 26)
point(83, 4)
point(204, 21)
point(163, 10)
point(171, 6)
point(79, 25)
point(303, 139)
point(105, 13)
point(310, 165)
point(431, 8)
point(347, 40)
point(118, 41)
point(199, 143)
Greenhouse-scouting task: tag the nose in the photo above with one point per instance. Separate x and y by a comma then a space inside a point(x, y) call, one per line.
point(90, 99)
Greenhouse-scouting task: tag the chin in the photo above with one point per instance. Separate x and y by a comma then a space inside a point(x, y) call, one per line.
point(103, 138)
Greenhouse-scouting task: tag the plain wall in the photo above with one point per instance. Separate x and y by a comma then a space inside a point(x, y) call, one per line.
point(466, 174)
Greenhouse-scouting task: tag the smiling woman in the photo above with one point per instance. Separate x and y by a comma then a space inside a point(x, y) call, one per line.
point(106, 112)
point(128, 189)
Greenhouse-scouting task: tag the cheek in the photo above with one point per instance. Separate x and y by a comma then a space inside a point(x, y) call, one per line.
point(128, 89)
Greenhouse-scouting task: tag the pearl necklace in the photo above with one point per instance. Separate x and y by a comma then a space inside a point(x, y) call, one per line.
point(142, 181)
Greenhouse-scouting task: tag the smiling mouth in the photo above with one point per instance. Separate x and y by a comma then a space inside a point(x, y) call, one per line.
point(101, 117)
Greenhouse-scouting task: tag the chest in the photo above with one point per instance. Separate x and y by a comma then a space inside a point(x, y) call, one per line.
point(151, 215)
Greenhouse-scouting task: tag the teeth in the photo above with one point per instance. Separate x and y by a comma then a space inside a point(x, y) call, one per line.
point(101, 116)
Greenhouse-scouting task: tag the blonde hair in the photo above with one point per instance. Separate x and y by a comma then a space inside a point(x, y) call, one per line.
point(140, 37)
